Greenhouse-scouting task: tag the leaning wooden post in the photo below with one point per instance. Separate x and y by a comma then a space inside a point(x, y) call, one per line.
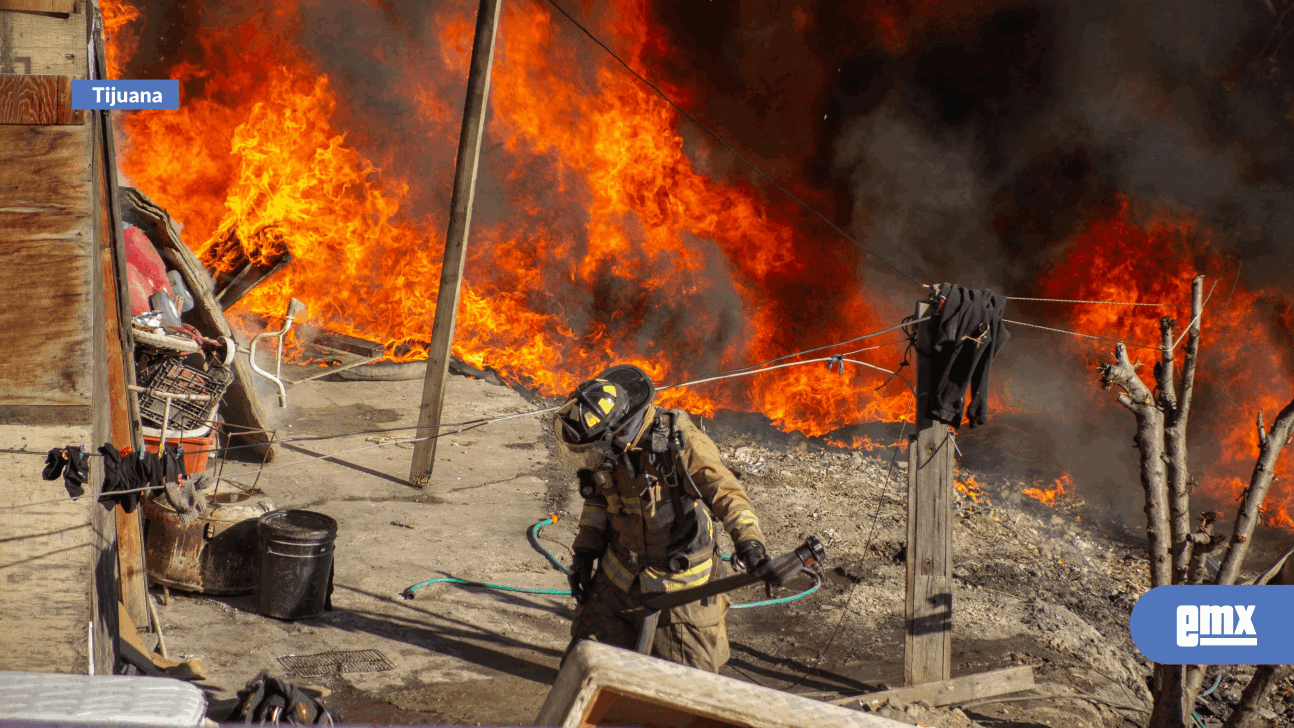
point(460, 219)
point(927, 654)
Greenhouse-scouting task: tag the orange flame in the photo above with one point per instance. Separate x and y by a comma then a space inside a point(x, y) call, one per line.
point(117, 20)
point(260, 157)
point(970, 489)
point(1061, 487)
point(1138, 253)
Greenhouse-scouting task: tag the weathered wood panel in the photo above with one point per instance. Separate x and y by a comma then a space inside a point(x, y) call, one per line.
point(40, 6)
point(37, 100)
point(47, 556)
point(44, 44)
point(46, 264)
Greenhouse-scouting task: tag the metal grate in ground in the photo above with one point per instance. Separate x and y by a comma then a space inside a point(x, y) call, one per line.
point(325, 664)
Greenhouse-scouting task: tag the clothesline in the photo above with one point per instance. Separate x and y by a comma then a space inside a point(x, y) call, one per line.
point(1075, 333)
point(1103, 303)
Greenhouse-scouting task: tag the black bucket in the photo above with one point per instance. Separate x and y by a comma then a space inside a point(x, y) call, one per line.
point(296, 563)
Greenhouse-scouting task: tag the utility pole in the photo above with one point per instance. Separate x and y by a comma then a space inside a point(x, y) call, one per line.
point(927, 646)
point(460, 219)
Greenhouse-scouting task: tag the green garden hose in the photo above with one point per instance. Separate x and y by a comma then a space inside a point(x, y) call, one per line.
point(533, 534)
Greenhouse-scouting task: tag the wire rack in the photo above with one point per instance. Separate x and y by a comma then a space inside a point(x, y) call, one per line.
point(172, 375)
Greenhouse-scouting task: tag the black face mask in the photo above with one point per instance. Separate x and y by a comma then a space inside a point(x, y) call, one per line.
point(625, 436)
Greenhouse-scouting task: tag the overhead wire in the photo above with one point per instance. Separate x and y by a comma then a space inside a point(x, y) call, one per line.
point(1075, 333)
point(727, 146)
point(1103, 303)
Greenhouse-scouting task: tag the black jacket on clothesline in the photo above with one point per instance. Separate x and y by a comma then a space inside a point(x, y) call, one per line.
point(968, 335)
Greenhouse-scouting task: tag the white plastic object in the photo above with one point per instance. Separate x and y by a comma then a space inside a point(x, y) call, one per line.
point(295, 308)
point(102, 700)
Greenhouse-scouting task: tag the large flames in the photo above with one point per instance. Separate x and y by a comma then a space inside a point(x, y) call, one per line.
point(1149, 256)
point(603, 200)
point(615, 243)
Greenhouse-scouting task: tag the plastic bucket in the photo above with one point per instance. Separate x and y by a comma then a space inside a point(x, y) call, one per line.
point(296, 563)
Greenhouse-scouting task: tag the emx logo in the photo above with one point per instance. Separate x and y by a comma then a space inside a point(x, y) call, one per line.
point(1215, 625)
point(1220, 623)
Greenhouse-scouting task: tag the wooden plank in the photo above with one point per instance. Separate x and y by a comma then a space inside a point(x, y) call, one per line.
point(64, 7)
point(241, 405)
point(928, 605)
point(55, 45)
point(37, 100)
point(131, 574)
point(949, 692)
point(44, 414)
point(46, 258)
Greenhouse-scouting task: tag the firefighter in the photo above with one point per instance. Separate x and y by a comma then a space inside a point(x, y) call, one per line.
point(650, 481)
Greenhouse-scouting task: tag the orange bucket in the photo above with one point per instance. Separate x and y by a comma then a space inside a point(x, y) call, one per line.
point(195, 450)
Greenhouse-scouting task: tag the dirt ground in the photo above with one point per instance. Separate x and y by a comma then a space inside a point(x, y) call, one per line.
point(1048, 587)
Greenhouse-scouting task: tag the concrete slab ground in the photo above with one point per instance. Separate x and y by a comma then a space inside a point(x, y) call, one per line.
point(461, 654)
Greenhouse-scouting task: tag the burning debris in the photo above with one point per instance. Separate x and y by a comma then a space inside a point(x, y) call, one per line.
point(1061, 487)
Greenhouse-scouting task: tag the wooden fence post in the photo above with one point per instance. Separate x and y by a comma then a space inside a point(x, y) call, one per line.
point(927, 654)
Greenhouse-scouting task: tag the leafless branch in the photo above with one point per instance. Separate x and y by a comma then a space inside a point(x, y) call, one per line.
point(1150, 441)
point(1259, 483)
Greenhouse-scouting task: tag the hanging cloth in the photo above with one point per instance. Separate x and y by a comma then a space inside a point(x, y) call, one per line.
point(968, 336)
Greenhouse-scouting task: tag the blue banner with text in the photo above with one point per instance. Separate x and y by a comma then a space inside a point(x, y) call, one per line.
point(1215, 625)
point(126, 95)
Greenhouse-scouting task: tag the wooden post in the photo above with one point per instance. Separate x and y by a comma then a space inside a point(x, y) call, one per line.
point(460, 219)
point(131, 562)
point(927, 647)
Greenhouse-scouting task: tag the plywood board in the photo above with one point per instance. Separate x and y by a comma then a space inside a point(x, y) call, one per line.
point(46, 262)
point(32, 43)
point(37, 100)
point(47, 557)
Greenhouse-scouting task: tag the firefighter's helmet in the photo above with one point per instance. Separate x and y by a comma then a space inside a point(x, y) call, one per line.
point(594, 419)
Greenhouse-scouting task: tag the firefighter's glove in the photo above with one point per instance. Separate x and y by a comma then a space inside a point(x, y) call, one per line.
point(581, 576)
point(751, 554)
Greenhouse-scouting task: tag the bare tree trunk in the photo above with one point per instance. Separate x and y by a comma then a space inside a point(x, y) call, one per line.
point(1150, 440)
point(1270, 445)
point(1246, 713)
point(1176, 413)
point(1187, 680)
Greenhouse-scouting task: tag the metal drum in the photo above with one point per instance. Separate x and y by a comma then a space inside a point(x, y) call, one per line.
point(215, 554)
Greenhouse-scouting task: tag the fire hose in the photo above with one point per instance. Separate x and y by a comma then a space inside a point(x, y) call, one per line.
point(533, 534)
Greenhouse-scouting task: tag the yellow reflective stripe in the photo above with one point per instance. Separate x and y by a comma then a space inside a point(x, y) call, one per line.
point(618, 573)
point(654, 580)
point(739, 519)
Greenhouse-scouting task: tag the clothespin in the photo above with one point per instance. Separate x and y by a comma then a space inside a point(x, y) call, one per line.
point(978, 339)
point(836, 360)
